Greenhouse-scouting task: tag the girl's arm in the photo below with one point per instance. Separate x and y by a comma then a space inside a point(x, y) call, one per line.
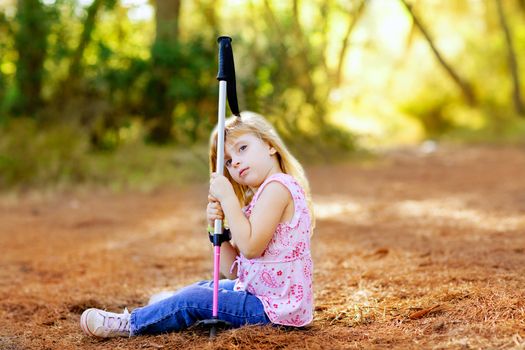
point(253, 235)
point(228, 255)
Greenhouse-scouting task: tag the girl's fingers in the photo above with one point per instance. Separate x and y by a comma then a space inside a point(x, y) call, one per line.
point(214, 210)
point(211, 198)
point(216, 217)
point(215, 207)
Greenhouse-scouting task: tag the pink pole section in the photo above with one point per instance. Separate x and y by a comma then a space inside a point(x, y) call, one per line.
point(216, 268)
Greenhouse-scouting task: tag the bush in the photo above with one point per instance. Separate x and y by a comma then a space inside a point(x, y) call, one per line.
point(31, 155)
point(60, 157)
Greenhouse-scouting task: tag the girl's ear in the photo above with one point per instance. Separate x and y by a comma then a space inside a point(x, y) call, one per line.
point(272, 151)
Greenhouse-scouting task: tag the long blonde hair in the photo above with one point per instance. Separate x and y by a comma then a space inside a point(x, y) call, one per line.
point(256, 124)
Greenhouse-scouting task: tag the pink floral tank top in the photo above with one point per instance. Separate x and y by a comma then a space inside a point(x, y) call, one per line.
point(282, 277)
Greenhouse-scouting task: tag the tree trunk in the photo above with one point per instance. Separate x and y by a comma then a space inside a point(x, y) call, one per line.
point(275, 25)
point(31, 45)
point(167, 14)
point(512, 62)
point(159, 104)
point(465, 88)
point(75, 68)
point(209, 11)
point(279, 35)
point(342, 54)
point(324, 9)
point(69, 86)
point(306, 67)
point(521, 3)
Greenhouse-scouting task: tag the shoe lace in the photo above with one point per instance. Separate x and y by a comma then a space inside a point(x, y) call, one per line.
point(118, 323)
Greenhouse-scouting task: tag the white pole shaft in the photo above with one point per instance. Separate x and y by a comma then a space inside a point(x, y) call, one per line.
point(220, 141)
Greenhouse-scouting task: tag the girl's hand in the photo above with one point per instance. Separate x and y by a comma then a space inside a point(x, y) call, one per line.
point(220, 187)
point(213, 210)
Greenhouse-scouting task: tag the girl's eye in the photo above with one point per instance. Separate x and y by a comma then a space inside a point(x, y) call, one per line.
point(242, 148)
point(228, 162)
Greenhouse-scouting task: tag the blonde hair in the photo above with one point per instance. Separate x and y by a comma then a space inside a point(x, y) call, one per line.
point(256, 124)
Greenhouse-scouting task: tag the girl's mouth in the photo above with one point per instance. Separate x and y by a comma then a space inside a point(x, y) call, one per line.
point(242, 172)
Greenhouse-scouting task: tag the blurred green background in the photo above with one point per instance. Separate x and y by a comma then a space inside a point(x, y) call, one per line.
point(122, 93)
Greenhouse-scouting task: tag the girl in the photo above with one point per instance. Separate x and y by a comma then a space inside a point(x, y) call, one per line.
point(264, 196)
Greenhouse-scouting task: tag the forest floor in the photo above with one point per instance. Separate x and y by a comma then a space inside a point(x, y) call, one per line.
point(412, 250)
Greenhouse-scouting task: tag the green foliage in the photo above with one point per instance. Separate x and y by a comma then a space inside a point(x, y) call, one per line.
point(32, 21)
point(500, 130)
point(98, 86)
point(323, 146)
point(140, 166)
point(438, 106)
point(60, 157)
point(30, 155)
point(178, 93)
point(431, 113)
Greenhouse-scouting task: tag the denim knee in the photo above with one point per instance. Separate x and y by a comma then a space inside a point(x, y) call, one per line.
point(194, 303)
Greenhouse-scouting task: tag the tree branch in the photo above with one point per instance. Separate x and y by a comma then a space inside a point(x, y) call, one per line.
point(85, 37)
point(511, 61)
point(463, 86)
point(344, 47)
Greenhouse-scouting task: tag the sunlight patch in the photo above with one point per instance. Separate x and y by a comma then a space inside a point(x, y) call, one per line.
point(455, 210)
point(326, 209)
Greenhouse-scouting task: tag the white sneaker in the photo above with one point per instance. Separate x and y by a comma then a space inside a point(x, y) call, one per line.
point(103, 324)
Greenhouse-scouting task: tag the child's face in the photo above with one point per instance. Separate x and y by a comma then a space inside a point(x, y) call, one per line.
point(250, 160)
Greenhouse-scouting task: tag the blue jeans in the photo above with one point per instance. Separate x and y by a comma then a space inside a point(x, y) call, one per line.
point(194, 303)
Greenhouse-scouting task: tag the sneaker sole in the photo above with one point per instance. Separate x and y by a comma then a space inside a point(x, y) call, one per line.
point(83, 322)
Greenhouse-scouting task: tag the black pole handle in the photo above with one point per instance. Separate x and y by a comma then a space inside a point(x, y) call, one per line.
point(227, 71)
point(225, 54)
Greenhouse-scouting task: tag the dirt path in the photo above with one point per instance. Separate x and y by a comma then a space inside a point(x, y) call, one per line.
point(411, 250)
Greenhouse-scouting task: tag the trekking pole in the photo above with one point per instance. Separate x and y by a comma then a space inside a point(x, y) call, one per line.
point(227, 89)
point(226, 78)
